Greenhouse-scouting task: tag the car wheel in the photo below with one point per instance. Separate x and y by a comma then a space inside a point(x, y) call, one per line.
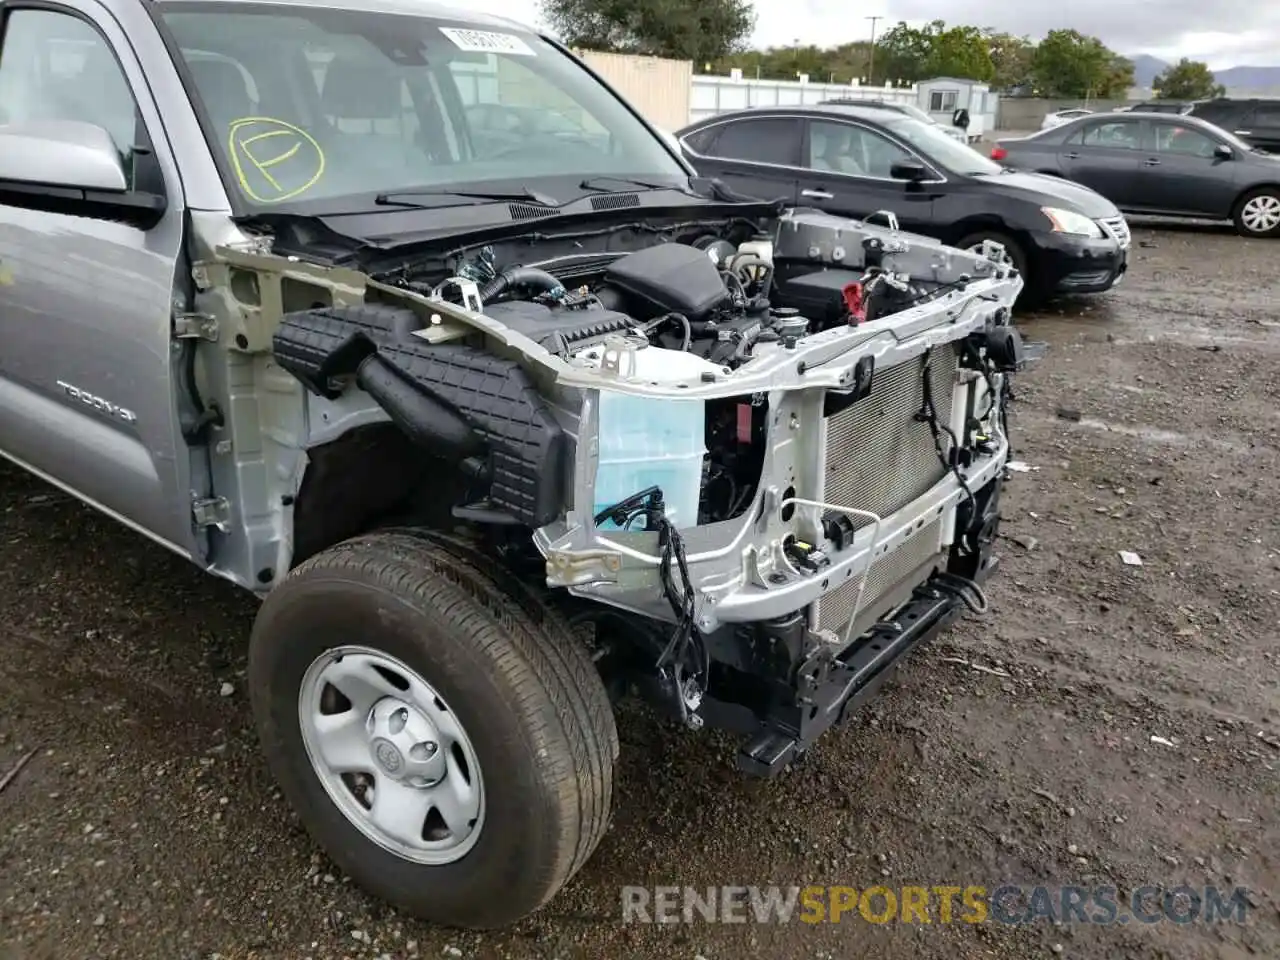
point(1017, 256)
point(438, 729)
point(1258, 213)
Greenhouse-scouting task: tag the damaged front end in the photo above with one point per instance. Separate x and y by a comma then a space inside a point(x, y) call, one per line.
point(765, 464)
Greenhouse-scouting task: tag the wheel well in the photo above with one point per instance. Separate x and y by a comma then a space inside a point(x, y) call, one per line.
point(987, 222)
point(974, 224)
point(371, 476)
point(1235, 204)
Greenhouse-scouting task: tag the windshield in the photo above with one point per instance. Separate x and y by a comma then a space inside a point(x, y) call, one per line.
point(934, 142)
point(913, 111)
point(307, 104)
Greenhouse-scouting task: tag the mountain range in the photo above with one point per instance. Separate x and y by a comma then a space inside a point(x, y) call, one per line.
point(1239, 81)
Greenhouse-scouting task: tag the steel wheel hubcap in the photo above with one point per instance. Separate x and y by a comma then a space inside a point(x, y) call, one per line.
point(391, 755)
point(1262, 214)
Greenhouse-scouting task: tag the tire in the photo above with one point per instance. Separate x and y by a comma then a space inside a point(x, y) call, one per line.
point(497, 664)
point(1012, 247)
point(1258, 213)
point(1030, 295)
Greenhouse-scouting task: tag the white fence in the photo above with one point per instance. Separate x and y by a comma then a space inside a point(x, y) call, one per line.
point(712, 95)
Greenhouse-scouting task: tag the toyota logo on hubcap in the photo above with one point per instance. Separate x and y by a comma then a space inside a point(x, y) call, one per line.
point(388, 756)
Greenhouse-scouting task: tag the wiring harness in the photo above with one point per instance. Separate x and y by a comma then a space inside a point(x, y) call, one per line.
point(684, 664)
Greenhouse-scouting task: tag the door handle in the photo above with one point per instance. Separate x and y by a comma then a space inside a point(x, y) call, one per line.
point(1244, 133)
point(1072, 156)
point(816, 194)
point(1151, 162)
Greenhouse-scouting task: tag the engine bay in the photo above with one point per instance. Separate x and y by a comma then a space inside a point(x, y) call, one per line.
point(699, 304)
point(715, 297)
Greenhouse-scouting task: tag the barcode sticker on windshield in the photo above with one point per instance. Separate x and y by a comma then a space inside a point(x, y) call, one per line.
point(486, 41)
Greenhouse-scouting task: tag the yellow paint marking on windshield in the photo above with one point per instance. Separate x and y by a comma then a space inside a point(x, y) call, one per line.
point(253, 171)
point(283, 157)
point(262, 136)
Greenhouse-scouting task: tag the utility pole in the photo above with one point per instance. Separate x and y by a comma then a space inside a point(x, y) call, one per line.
point(871, 66)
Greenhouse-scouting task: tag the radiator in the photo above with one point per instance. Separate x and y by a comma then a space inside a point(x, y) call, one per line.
point(879, 458)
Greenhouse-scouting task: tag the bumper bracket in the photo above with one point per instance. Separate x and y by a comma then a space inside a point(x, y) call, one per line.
point(857, 674)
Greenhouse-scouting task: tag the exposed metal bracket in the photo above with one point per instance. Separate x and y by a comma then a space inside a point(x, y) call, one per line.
point(468, 289)
point(890, 217)
point(211, 512)
point(199, 326)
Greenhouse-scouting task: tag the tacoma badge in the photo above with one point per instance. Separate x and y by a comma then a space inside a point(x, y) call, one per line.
point(98, 403)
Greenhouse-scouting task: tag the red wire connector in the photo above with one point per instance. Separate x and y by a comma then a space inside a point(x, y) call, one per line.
point(854, 303)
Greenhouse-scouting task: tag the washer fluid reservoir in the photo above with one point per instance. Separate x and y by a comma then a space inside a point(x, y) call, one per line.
point(650, 441)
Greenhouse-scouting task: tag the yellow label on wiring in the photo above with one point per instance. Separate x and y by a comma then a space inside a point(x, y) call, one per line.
point(273, 160)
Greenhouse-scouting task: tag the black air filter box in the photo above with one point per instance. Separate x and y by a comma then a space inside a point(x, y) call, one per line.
point(669, 278)
point(819, 296)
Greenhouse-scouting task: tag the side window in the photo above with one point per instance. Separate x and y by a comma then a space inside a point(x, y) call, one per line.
point(1114, 135)
point(55, 66)
point(943, 101)
point(858, 151)
point(1183, 141)
point(701, 140)
point(762, 140)
point(1266, 115)
point(1225, 115)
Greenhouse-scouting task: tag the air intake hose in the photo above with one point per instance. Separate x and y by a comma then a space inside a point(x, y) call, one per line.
point(514, 277)
point(426, 420)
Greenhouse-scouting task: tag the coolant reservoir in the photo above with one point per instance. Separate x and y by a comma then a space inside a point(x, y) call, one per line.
point(648, 441)
point(761, 247)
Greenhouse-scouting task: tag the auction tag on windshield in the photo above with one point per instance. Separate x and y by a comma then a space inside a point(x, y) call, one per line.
point(486, 41)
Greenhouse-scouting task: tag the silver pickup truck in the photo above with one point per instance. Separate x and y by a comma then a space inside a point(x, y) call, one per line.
point(404, 320)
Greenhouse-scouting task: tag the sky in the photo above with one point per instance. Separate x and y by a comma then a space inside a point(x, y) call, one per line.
point(1164, 28)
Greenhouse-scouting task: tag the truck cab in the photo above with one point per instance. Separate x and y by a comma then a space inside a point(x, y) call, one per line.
point(401, 318)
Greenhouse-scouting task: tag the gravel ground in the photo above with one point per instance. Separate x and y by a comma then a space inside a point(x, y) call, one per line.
point(146, 824)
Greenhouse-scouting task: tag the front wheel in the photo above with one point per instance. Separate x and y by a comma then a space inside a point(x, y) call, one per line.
point(1258, 213)
point(438, 729)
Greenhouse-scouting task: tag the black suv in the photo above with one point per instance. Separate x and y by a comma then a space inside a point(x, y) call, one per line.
point(1255, 121)
point(1163, 106)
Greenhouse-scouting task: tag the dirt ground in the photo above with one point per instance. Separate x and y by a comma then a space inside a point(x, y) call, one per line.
point(1019, 748)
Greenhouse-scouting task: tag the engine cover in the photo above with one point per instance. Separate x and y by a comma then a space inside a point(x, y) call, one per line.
point(669, 278)
point(561, 331)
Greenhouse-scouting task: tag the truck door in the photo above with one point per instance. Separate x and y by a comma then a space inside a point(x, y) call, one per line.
point(86, 302)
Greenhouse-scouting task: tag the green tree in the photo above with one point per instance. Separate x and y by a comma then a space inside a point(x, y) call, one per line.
point(780, 63)
point(1117, 79)
point(703, 32)
point(1188, 80)
point(936, 50)
point(1069, 64)
point(1011, 57)
point(959, 52)
point(902, 53)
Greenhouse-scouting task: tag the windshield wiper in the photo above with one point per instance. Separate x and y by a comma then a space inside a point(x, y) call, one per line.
point(409, 198)
point(594, 183)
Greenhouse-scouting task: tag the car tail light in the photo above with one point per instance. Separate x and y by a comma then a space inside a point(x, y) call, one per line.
point(998, 152)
